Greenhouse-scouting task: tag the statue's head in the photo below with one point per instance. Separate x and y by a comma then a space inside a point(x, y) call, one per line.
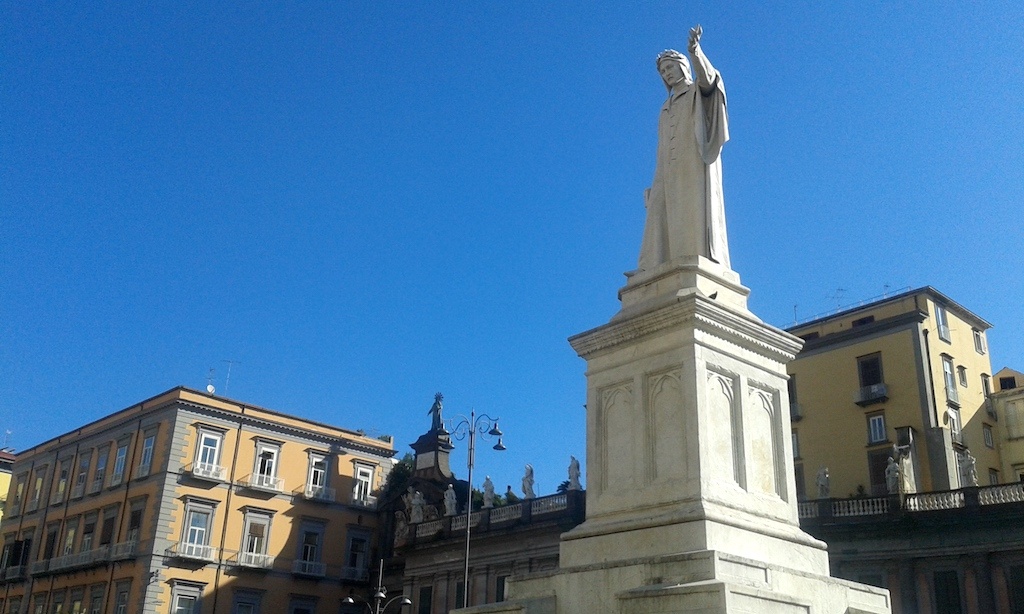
point(673, 68)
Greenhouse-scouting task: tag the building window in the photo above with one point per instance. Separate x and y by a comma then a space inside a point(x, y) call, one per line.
point(424, 605)
point(862, 321)
point(357, 554)
point(70, 530)
point(83, 474)
point(96, 599)
point(135, 520)
point(265, 469)
point(947, 592)
point(302, 605)
point(499, 588)
point(870, 370)
point(363, 484)
point(63, 471)
point(961, 374)
point(876, 429)
point(950, 380)
point(185, 598)
point(878, 461)
point(460, 594)
point(254, 539)
point(796, 444)
point(107, 528)
point(955, 425)
point(1007, 383)
point(316, 478)
point(121, 599)
point(120, 457)
point(979, 341)
point(207, 463)
point(246, 602)
point(310, 549)
point(993, 476)
point(986, 431)
point(19, 493)
point(196, 537)
point(37, 488)
point(942, 322)
point(88, 532)
point(146, 461)
point(986, 385)
point(100, 475)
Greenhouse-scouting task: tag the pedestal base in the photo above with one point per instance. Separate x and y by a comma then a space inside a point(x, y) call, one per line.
point(708, 582)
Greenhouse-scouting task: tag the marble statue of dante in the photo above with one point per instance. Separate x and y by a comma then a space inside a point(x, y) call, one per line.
point(436, 421)
point(685, 206)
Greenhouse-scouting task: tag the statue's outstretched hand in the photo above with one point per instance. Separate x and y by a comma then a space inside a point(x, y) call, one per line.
point(695, 33)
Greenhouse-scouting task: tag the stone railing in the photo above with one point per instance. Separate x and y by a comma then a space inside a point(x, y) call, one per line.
point(867, 506)
point(501, 514)
point(964, 498)
point(567, 509)
point(1007, 493)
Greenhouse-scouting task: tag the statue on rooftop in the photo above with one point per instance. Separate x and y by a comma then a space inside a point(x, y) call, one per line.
point(968, 470)
point(418, 503)
point(685, 205)
point(488, 492)
point(436, 421)
point(528, 483)
point(822, 482)
point(450, 502)
point(574, 474)
point(892, 476)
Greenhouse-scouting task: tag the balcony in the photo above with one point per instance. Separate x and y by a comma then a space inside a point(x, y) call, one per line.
point(369, 502)
point(32, 505)
point(58, 497)
point(39, 567)
point(142, 471)
point(952, 395)
point(116, 479)
point(255, 560)
point(319, 493)
point(96, 486)
point(208, 471)
point(77, 491)
point(80, 559)
point(195, 552)
point(267, 483)
point(14, 573)
point(869, 395)
point(123, 550)
point(315, 569)
point(355, 574)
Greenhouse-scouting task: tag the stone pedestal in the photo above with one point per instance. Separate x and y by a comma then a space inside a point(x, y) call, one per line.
point(691, 503)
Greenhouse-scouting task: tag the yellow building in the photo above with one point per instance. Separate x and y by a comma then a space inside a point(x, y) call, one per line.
point(906, 377)
point(6, 465)
point(1008, 403)
point(189, 503)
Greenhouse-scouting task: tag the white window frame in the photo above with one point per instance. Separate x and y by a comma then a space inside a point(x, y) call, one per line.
point(99, 478)
point(989, 438)
point(204, 458)
point(182, 592)
point(120, 460)
point(121, 599)
point(354, 536)
point(949, 377)
point(266, 465)
point(362, 483)
point(253, 550)
point(317, 551)
point(979, 341)
point(82, 477)
point(195, 539)
point(942, 322)
point(876, 429)
point(961, 375)
point(955, 423)
point(246, 602)
point(318, 475)
point(146, 459)
point(796, 444)
point(70, 533)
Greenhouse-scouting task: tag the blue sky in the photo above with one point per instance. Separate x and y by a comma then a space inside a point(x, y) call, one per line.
point(366, 203)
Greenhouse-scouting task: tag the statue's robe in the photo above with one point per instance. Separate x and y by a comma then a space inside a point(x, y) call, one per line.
point(685, 206)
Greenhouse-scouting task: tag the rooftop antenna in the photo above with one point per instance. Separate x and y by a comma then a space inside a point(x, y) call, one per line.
point(209, 381)
point(885, 290)
point(837, 296)
point(227, 380)
point(795, 320)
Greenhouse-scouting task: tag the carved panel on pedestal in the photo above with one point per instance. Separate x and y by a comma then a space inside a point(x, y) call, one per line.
point(618, 430)
point(666, 426)
point(766, 472)
point(725, 424)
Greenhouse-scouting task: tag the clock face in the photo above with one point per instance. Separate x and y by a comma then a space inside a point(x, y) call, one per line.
point(424, 461)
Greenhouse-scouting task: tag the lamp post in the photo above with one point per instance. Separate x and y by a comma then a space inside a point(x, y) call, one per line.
point(460, 427)
point(381, 595)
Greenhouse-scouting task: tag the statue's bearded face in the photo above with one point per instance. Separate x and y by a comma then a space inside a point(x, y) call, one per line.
point(674, 72)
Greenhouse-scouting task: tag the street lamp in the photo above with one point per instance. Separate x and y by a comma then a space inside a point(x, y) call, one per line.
point(380, 596)
point(460, 427)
